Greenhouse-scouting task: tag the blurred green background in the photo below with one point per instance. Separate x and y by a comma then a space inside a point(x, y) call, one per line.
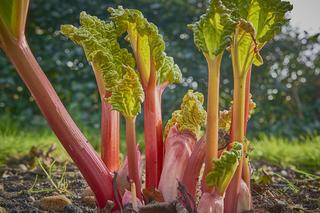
point(286, 88)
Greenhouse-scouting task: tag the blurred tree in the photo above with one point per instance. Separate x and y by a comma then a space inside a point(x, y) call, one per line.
point(286, 88)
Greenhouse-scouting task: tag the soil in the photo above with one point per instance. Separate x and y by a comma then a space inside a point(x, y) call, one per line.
point(23, 183)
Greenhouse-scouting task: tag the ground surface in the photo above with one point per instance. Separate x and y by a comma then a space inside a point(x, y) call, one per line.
point(24, 182)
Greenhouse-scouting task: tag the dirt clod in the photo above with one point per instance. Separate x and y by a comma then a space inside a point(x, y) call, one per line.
point(89, 201)
point(54, 203)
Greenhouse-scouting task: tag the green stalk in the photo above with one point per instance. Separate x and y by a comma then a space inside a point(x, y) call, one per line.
point(132, 154)
point(238, 117)
point(213, 112)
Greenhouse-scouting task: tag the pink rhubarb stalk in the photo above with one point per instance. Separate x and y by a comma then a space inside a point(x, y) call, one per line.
point(179, 146)
point(192, 171)
point(153, 130)
point(92, 168)
point(133, 165)
point(110, 126)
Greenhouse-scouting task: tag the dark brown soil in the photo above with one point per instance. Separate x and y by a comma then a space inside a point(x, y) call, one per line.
point(22, 185)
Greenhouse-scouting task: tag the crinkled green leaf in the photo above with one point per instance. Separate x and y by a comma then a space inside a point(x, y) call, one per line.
point(265, 18)
point(268, 17)
point(213, 31)
point(169, 72)
point(99, 41)
point(246, 50)
point(13, 14)
point(191, 116)
point(224, 168)
point(147, 44)
point(128, 95)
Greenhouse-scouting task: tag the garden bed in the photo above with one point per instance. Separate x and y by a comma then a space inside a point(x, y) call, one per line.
point(24, 184)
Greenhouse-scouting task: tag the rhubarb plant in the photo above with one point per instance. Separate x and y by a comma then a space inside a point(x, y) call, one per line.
point(211, 36)
point(257, 23)
point(182, 132)
point(116, 66)
point(156, 70)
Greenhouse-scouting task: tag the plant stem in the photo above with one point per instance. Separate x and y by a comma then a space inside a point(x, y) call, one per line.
point(132, 154)
point(192, 172)
point(92, 168)
point(110, 126)
point(213, 112)
point(153, 132)
point(238, 110)
point(246, 168)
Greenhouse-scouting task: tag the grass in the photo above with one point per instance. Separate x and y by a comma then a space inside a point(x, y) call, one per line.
point(16, 141)
point(303, 154)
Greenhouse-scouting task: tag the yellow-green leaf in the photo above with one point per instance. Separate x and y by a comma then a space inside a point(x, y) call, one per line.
point(224, 168)
point(127, 95)
point(191, 116)
point(213, 31)
point(147, 43)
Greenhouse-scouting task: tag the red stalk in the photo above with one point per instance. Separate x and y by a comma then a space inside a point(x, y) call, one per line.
point(153, 131)
point(191, 174)
point(110, 125)
point(92, 168)
point(246, 168)
point(133, 165)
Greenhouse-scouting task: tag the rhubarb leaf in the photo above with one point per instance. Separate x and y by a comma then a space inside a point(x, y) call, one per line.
point(224, 168)
point(169, 72)
point(258, 22)
point(128, 95)
point(99, 41)
point(191, 117)
point(212, 33)
point(13, 14)
point(147, 44)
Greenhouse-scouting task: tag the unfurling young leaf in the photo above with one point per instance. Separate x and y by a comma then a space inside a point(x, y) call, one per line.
point(224, 169)
point(191, 117)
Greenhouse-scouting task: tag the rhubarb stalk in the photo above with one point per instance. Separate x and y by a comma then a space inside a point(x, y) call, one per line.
point(213, 111)
point(133, 165)
point(16, 48)
point(110, 127)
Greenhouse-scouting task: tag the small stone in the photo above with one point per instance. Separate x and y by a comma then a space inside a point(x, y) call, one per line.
point(54, 203)
point(281, 203)
point(284, 173)
point(3, 210)
point(31, 199)
point(23, 167)
point(89, 201)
